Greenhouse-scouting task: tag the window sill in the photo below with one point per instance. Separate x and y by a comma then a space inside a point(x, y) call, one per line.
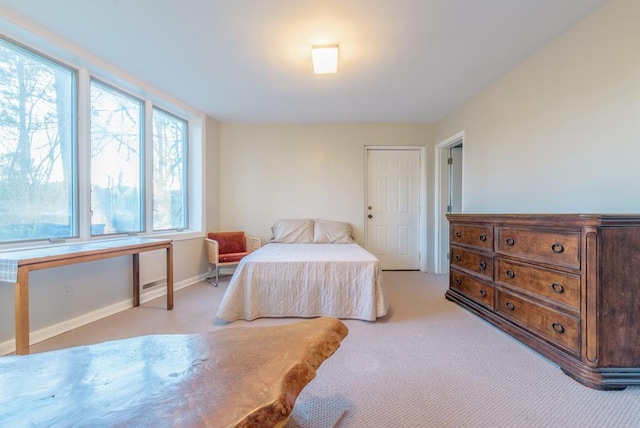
point(175, 236)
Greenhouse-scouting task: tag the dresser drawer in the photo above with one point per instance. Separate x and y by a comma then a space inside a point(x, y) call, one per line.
point(472, 288)
point(559, 328)
point(562, 248)
point(474, 235)
point(561, 287)
point(480, 263)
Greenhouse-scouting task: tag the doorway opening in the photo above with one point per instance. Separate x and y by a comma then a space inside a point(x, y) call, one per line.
point(449, 182)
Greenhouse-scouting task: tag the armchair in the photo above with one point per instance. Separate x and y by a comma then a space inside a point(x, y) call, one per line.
point(227, 249)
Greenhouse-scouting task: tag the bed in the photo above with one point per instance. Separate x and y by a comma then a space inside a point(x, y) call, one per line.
point(310, 268)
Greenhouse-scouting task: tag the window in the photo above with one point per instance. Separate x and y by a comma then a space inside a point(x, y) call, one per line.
point(119, 165)
point(116, 153)
point(169, 172)
point(37, 147)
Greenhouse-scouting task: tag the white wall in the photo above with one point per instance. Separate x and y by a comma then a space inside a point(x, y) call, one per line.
point(300, 171)
point(561, 132)
point(212, 174)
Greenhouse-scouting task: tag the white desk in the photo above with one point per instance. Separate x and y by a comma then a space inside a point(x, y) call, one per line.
point(16, 265)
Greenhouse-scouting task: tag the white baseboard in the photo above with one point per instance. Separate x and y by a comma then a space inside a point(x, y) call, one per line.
point(48, 332)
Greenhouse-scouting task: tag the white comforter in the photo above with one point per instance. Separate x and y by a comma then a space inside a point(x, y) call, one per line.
point(306, 280)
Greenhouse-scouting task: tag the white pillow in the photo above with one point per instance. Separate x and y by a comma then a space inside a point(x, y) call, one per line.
point(292, 231)
point(332, 232)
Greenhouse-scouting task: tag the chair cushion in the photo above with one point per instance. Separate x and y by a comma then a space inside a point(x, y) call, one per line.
point(231, 257)
point(229, 242)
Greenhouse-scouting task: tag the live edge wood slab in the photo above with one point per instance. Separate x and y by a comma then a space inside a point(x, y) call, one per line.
point(232, 377)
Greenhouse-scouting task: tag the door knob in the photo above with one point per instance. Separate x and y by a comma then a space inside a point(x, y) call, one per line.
point(370, 216)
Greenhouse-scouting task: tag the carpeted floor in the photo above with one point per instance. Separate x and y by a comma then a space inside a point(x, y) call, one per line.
point(428, 363)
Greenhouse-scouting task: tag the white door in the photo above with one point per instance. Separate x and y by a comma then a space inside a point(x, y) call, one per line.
point(393, 208)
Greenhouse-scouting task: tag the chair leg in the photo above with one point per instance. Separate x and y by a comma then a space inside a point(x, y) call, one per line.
point(215, 284)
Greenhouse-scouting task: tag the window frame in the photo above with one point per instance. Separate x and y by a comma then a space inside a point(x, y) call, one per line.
point(43, 43)
point(143, 129)
point(185, 170)
point(74, 193)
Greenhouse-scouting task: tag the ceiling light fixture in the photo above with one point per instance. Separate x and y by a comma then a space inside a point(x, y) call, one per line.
point(325, 58)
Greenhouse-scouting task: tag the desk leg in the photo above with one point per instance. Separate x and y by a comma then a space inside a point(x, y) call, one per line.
point(136, 279)
point(22, 311)
point(170, 277)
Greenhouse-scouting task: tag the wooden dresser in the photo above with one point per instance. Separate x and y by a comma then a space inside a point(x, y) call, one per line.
point(567, 285)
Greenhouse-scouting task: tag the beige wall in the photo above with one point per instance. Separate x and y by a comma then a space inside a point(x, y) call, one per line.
point(561, 132)
point(300, 171)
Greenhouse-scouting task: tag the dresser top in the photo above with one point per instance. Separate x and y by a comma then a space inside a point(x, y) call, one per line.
point(549, 219)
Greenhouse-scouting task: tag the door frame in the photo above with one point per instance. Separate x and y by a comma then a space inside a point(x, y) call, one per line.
point(440, 234)
point(422, 192)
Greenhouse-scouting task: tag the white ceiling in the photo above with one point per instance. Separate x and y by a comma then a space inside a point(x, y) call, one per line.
point(249, 60)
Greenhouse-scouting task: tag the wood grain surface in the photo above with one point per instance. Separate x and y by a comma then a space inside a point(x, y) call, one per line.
point(232, 377)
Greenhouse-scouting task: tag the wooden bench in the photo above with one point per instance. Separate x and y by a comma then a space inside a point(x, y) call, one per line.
point(232, 377)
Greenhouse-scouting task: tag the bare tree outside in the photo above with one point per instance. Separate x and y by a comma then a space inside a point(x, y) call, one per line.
point(37, 189)
point(116, 155)
point(169, 181)
point(39, 180)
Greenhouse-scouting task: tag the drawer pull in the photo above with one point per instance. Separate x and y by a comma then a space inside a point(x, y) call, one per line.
point(510, 273)
point(557, 287)
point(510, 242)
point(457, 257)
point(510, 306)
point(458, 234)
point(482, 265)
point(557, 327)
point(483, 293)
point(483, 237)
point(557, 248)
point(458, 281)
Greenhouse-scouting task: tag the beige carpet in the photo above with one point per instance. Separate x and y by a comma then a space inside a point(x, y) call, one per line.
point(428, 363)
